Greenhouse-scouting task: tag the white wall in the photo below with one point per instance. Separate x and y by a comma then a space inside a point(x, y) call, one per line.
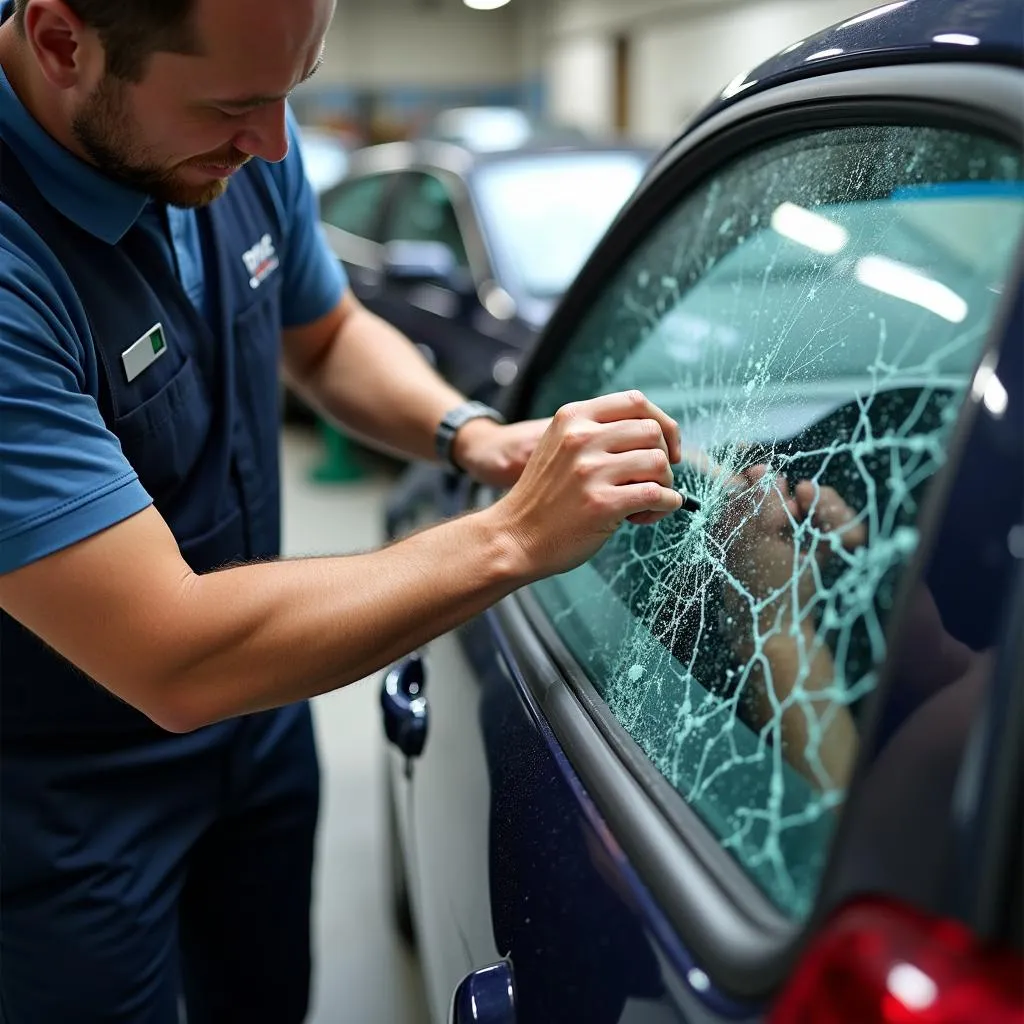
point(375, 44)
point(678, 68)
point(580, 81)
point(683, 53)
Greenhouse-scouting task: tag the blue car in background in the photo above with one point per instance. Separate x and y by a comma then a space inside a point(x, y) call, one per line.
point(762, 761)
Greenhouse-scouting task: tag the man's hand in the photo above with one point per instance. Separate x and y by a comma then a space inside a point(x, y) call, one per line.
point(494, 454)
point(599, 463)
point(765, 545)
point(775, 561)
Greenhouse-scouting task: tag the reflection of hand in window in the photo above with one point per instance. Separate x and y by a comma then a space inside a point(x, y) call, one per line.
point(775, 544)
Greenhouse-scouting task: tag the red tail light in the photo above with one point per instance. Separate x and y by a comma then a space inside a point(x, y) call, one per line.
point(878, 963)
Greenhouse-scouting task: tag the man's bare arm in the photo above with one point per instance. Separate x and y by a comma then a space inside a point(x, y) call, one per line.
point(356, 367)
point(188, 650)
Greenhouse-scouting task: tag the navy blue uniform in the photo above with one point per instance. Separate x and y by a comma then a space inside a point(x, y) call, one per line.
point(136, 865)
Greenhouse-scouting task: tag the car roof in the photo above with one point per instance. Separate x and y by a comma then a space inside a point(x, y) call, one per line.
point(462, 161)
point(900, 32)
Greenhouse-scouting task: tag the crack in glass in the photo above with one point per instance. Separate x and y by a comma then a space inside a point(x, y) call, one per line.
point(812, 316)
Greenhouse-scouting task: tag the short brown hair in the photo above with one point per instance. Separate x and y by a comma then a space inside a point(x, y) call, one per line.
point(130, 39)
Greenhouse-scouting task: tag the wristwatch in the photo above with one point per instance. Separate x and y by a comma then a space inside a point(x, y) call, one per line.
point(458, 417)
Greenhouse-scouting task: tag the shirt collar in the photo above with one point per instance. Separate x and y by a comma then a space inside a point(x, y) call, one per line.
point(91, 200)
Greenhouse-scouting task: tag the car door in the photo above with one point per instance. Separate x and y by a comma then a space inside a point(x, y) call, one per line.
point(443, 315)
point(686, 746)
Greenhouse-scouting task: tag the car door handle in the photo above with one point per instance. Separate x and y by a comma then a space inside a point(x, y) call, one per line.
point(405, 707)
point(486, 996)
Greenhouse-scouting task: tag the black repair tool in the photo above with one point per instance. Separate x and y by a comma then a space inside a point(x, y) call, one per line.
point(689, 504)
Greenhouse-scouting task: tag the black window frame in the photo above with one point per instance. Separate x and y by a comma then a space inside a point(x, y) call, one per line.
point(743, 943)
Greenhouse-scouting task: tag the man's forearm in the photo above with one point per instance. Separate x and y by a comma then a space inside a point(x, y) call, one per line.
point(259, 636)
point(124, 607)
point(377, 384)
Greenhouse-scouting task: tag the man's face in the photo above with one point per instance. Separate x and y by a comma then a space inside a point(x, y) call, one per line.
point(180, 133)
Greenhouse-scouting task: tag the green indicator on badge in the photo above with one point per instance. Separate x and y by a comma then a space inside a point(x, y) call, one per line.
point(144, 352)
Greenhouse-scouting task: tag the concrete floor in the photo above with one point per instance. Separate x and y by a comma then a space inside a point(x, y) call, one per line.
point(364, 974)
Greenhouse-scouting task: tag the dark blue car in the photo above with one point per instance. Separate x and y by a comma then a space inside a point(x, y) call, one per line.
point(763, 760)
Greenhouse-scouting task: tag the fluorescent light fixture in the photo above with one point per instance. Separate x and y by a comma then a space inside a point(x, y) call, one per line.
point(911, 285)
point(822, 54)
point(485, 5)
point(737, 85)
point(809, 228)
point(876, 13)
point(957, 38)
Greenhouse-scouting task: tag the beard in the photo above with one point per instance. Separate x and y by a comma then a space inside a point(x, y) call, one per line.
point(106, 130)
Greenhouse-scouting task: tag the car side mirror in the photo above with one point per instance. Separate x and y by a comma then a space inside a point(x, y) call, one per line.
point(426, 263)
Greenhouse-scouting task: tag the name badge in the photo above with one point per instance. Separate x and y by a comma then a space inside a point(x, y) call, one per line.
point(144, 353)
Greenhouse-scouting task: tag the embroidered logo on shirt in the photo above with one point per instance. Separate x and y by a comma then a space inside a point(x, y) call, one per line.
point(261, 261)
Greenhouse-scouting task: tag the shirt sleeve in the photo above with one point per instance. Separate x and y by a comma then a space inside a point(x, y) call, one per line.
point(63, 476)
point(314, 280)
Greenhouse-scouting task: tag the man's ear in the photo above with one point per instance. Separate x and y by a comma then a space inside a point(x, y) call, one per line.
point(65, 49)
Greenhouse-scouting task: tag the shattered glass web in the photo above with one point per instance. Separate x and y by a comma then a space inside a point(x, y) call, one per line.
point(769, 350)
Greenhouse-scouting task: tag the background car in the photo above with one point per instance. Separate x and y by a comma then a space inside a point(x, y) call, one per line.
point(763, 759)
point(467, 252)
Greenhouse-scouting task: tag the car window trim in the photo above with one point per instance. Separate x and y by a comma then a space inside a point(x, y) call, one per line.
point(469, 232)
point(743, 943)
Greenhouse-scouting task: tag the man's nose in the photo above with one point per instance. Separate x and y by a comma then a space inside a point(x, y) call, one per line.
point(265, 134)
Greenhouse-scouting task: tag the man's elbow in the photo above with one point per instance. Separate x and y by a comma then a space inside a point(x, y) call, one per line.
point(172, 708)
point(174, 692)
point(176, 717)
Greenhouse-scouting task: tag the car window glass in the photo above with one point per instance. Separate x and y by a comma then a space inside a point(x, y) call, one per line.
point(547, 212)
point(423, 212)
point(355, 205)
point(812, 315)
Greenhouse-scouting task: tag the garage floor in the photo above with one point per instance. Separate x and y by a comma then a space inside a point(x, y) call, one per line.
point(363, 972)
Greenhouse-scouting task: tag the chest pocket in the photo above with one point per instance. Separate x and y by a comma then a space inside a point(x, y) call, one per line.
point(163, 434)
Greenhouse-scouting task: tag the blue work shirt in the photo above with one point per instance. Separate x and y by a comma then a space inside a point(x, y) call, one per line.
point(63, 475)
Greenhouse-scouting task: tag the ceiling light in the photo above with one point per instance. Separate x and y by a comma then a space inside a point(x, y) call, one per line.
point(988, 388)
point(912, 987)
point(876, 13)
point(485, 5)
point(808, 228)
point(958, 38)
point(903, 282)
point(822, 54)
point(996, 398)
point(737, 85)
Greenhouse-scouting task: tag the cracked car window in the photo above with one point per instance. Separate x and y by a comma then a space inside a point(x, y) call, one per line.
point(812, 315)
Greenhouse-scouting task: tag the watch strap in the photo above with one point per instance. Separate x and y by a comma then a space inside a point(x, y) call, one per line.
point(453, 420)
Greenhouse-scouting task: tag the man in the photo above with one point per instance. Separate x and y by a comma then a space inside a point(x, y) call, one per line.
point(159, 777)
